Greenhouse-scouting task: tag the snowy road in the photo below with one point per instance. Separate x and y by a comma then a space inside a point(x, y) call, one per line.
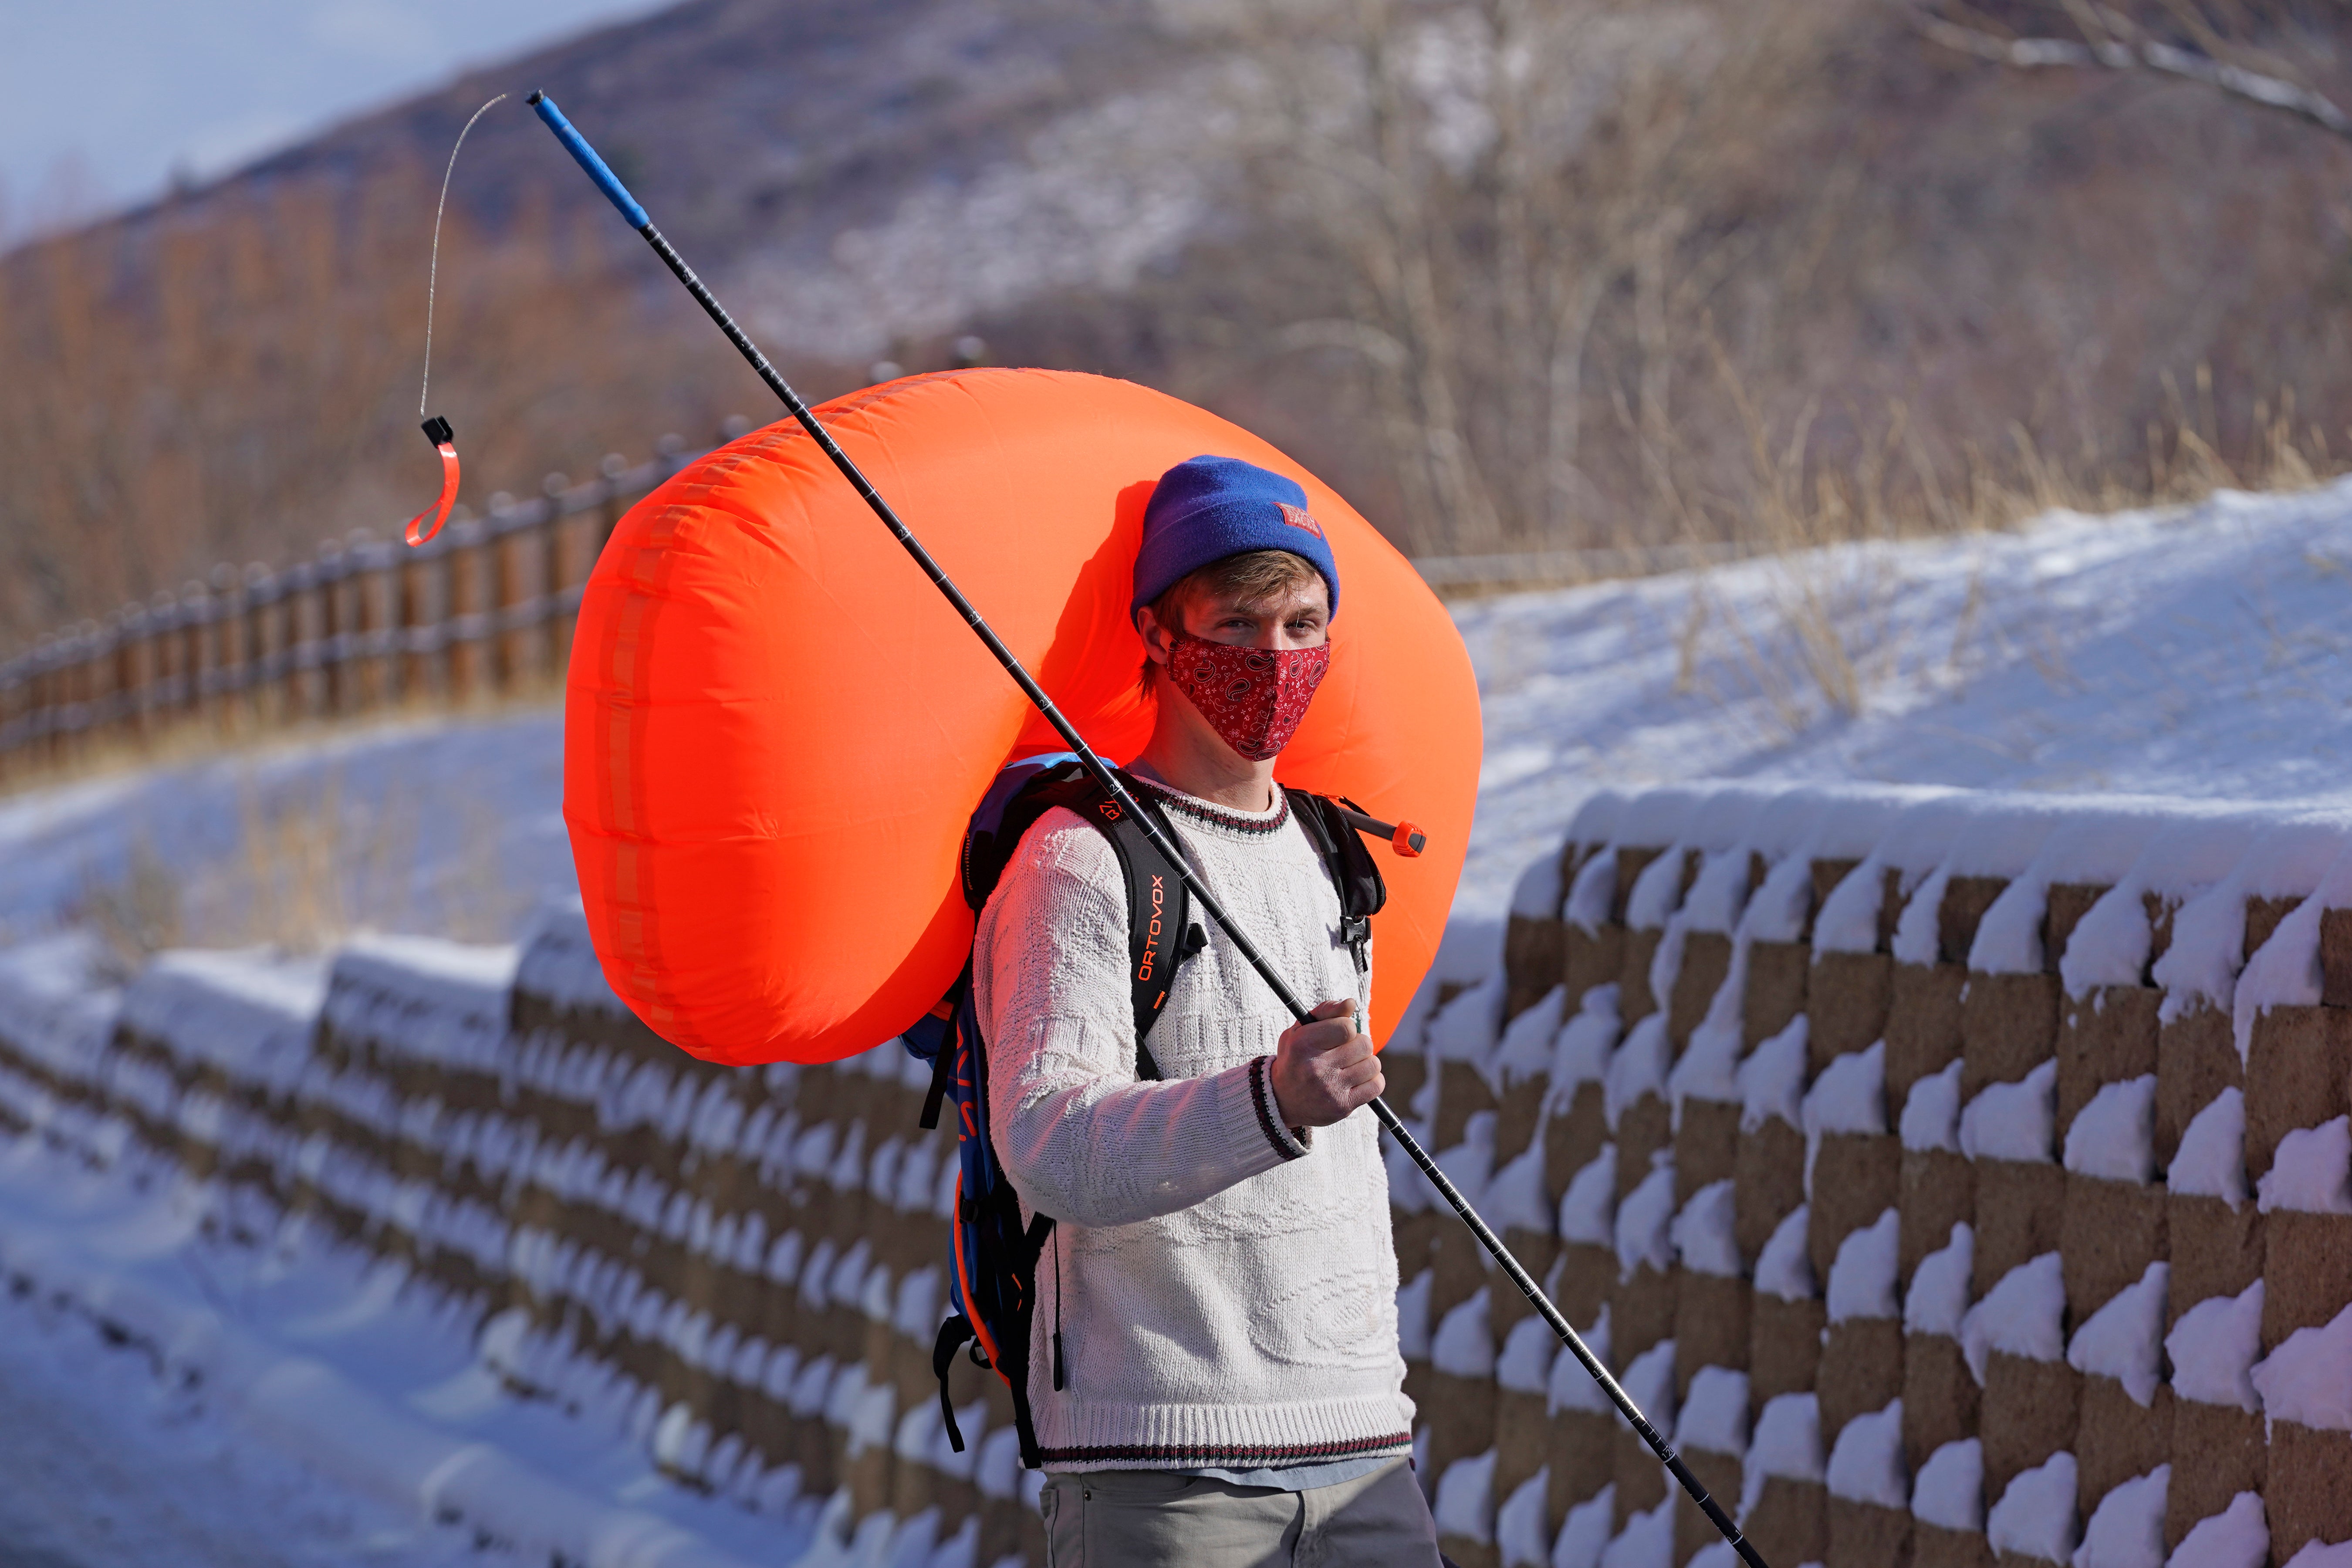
point(101, 1468)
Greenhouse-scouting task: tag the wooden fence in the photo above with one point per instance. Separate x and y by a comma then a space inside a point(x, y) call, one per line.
point(485, 609)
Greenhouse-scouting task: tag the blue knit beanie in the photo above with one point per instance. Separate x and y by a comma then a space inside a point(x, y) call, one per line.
point(1205, 509)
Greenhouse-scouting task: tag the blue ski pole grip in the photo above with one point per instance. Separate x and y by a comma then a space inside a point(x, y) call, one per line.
point(585, 156)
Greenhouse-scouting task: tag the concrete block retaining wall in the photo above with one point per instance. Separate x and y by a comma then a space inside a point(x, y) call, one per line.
point(1959, 1178)
point(1937, 1168)
point(740, 1268)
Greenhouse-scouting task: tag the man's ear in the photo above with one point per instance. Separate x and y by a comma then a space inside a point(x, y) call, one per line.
point(1155, 638)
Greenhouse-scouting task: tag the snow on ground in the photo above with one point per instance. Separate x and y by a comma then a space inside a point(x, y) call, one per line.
point(449, 826)
point(2188, 651)
point(2192, 651)
point(108, 1467)
point(287, 1404)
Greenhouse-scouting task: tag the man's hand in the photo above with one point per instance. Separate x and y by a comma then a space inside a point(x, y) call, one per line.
point(1324, 1069)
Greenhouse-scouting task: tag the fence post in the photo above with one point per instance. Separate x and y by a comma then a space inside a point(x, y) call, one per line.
point(126, 721)
point(464, 616)
point(220, 677)
point(32, 687)
point(445, 599)
point(37, 681)
point(297, 652)
point(332, 571)
point(84, 709)
point(12, 681)
point(106, 680)
point(555, 571)
point(195, 621)
point(12, 714)
point(162, 660)
point(371, 658)
point(61, 693)
point(100, 667)
point(36, 705)
point(164, 650)
point(61, 684)
point(505, 584)
point(409, 568)
point(261, 592)
point(125, 705)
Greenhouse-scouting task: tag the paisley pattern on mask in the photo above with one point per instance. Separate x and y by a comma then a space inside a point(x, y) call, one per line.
point(1253, 697)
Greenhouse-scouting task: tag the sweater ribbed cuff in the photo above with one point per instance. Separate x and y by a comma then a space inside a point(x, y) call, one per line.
point(1289, 1143)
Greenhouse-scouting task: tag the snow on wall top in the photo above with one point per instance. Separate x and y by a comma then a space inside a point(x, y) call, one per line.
point(249, 1013)
point(443, 1002)
point(56, 1004)
point(2287, 858)
point(559, 960)
point(2202, 861)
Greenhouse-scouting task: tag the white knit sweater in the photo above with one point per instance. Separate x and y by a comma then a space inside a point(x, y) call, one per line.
point(1226, 1295)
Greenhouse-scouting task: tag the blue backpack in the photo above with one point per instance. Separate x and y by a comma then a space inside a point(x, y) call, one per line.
point(993, 1257)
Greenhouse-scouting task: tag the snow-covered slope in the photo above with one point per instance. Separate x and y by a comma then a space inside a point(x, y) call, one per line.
point(2193, 652)
point(449, 827)
point(2196, 652)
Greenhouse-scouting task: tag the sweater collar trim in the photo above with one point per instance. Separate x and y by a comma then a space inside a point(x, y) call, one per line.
point(1251, 822)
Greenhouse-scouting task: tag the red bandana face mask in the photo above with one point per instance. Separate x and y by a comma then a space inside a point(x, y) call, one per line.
point(1253, 697)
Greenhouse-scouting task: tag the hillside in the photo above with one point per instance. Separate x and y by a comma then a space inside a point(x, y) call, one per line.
point(1511, 276)
point(761, 132)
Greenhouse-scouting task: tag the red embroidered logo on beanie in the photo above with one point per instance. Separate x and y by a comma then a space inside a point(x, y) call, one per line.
point(1298, 517)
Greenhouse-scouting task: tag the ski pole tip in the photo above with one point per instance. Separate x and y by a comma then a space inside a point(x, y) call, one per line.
point(536, 94)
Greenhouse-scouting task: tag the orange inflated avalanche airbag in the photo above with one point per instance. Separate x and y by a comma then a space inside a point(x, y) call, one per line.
point(775, 729)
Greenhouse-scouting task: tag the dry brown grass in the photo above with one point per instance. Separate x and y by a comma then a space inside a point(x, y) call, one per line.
point(313, 862)
point(182, 393)
point(139, 915)
point(1823, 640)
point(312, 872)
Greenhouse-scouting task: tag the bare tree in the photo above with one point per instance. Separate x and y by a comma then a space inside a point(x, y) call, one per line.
point(2110, 40)
point(241, 388)
point(1489, 185)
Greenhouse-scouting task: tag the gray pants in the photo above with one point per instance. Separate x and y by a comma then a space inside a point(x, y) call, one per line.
point(1142, 1519)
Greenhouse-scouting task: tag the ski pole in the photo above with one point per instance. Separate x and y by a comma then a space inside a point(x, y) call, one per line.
point(634, 215)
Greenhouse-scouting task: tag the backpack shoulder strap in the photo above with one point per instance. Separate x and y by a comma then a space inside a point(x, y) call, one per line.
point(1161, 932)
point(987, 851)
point(1354, 873)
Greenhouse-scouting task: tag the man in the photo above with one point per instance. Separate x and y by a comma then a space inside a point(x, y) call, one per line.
point(1216, 1375)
